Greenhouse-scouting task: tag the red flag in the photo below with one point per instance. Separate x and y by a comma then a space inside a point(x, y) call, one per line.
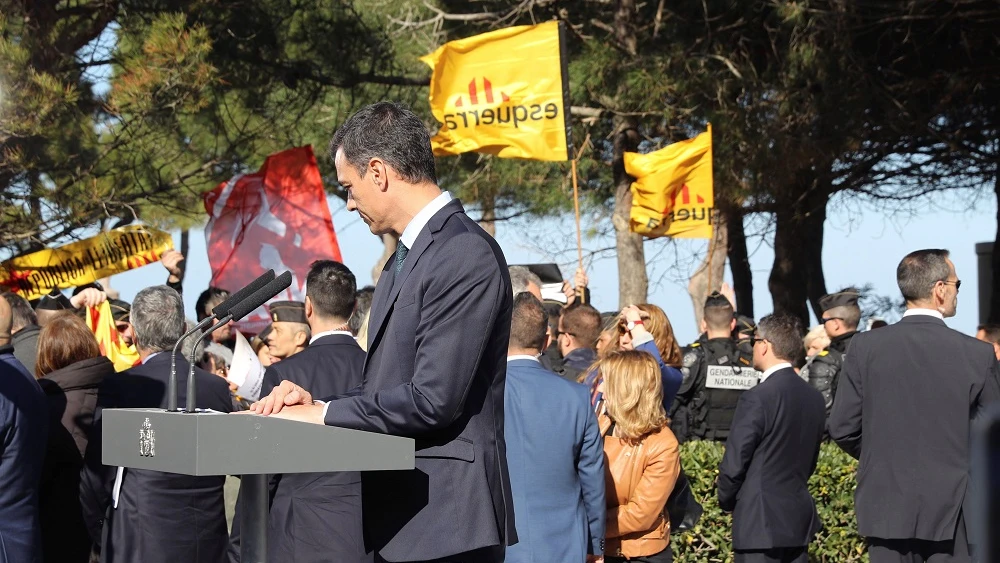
point(277, 218)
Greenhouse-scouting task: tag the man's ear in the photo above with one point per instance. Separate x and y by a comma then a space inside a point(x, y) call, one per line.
point(732, 325)
point(300, 338)
point(548, 340)
point(308, 307)
point(702, 326)
point(379, 173)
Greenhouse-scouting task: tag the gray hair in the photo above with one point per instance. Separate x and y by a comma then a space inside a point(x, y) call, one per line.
point(190, 344)
point(158, 318)
point(23, 314)
point(849, 314)
point(919, 271)
point(520, 277)
point(784, 332)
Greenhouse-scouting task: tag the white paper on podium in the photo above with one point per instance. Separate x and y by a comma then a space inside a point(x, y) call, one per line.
point(246, 370)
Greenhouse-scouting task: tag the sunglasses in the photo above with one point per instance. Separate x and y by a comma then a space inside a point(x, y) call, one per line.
point(754, 340)
point(958, 283)
point(825, 320)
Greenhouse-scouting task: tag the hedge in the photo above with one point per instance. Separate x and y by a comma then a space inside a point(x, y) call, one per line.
point(832, 486)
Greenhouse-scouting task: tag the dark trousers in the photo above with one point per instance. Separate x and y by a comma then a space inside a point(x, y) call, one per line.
point(665, 556)
point(494, 554)
point(774, 555)
point(922, 551)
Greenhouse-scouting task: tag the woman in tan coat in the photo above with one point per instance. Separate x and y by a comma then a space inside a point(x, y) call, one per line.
point(643, 461)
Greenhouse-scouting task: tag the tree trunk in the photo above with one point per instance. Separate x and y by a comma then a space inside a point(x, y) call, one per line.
point(708, 277)
point(488, 221)
point(388, 251)
point(797, 274)
point(739, 260)
point(994, 316)
point(633, 282)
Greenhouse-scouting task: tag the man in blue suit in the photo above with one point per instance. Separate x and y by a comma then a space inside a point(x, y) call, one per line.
point(554, 451)
point(23, 433)
point(437, 346)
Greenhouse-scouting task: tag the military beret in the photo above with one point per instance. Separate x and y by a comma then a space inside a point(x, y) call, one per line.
point(54, 301)
point(844, 298)
point(120, 310)
point(288, 312)
point(716, 299)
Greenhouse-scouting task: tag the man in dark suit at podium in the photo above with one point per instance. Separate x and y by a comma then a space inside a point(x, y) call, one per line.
point(150, 516)
point(437, 346)
point(771, 452)
point(316, 517)
point(905, 407)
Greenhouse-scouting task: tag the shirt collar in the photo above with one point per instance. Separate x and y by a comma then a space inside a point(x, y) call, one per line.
point(150, 357)
point(769, 372)
point(316, 337)
point(413, 228)
point(919, 311)
point(522, 357)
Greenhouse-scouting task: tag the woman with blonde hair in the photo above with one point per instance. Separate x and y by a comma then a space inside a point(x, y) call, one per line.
point(643, 461)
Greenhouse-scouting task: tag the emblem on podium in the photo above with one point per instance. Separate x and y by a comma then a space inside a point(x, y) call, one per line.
point(147, 440)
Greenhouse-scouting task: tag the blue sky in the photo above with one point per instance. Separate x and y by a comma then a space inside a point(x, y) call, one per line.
point(861, 245)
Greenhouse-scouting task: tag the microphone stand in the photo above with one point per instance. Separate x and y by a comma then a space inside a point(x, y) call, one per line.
point(190, 406)
point(172, 382)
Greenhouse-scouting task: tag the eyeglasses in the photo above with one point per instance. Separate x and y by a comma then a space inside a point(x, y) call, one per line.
point(825, 320)
point(958, 283)
point(755, 339)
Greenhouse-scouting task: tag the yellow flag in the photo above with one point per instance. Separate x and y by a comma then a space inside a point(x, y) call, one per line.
point(82, 262)
point(504, 92)
point(672, 195)
point(102, 324)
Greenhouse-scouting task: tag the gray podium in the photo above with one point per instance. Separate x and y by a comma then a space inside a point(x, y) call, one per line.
point(208, 443)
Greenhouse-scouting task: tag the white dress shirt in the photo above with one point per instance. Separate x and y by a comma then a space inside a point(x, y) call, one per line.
point(317, 336)
point(768, 372)
point(928, 312)
point(419, 220)
point(522, 357)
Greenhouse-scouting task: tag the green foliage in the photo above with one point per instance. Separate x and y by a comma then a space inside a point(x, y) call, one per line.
point(832, 486)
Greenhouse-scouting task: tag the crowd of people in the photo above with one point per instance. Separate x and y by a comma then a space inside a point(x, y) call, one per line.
point(545, 430)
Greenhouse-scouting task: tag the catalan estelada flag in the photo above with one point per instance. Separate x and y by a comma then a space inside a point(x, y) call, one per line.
point(102, 323)
point(672, 193)
point(505, 92)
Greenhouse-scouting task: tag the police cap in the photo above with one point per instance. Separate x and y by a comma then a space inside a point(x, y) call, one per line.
point(119, 310)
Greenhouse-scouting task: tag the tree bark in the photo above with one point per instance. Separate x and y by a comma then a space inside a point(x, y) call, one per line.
point(390, 241)
point(797, 274)
point(739, 260)
point(994, 316)
point(633, 282)
point(708, 277)
point(488, 221)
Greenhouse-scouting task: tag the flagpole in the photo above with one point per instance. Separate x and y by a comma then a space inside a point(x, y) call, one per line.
point(576, 201)
point(576, 206)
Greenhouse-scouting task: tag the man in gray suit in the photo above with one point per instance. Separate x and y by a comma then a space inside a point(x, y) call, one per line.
point(905, 404)
point(437, 346)
point(554, 451)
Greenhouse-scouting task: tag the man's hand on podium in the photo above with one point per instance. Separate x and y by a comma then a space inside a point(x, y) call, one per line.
point(285, 395)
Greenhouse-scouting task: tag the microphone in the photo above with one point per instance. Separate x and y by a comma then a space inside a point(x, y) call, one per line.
point(220, 310)
point(234, 313)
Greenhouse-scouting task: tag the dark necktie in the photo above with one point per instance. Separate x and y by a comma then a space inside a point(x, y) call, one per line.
point(401, 251)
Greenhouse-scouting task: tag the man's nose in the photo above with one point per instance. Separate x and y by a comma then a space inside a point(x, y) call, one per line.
point(351, 206)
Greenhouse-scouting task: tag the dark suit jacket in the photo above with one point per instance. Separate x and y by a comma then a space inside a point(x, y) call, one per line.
point(161, 517)
point(556, 458)
point(23, 432)
point(908, 392)
point(437, 347)
point(771, 451)
point(316, 517)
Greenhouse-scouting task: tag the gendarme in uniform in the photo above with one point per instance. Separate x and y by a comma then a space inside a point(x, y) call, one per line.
point(841, 315)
